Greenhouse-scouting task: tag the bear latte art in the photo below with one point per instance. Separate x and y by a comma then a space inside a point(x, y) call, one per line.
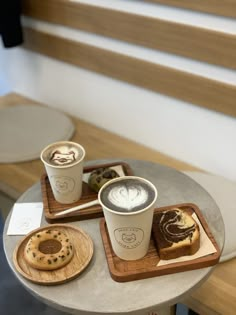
point(64, 155)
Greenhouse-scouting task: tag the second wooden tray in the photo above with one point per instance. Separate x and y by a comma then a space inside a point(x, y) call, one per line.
point(123, 271)
point(51, 206)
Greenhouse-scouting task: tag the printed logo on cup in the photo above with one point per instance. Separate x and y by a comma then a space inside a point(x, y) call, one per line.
point(129, 237)
point(63, 184)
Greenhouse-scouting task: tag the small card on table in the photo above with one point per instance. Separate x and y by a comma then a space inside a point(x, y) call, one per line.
point(25, 218)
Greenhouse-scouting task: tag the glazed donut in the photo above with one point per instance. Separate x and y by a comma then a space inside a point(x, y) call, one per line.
point(48, 250)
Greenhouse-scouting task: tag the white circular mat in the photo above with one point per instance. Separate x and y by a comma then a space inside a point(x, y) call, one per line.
point(26, 130)
point(223, 191)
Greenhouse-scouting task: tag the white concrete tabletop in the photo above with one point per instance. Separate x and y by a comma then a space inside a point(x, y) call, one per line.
point(94, 291)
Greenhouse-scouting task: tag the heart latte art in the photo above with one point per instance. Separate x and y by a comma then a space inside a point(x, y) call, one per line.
point(128, 195)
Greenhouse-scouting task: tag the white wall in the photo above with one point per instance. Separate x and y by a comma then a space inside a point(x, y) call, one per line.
point(198, 136)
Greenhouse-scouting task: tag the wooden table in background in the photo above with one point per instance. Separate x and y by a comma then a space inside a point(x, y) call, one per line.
point(218, 294)
point(15, 178)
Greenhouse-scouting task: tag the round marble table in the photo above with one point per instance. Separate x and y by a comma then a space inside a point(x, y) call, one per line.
point(94, 291)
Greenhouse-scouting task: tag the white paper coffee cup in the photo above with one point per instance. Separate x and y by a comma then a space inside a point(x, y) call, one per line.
point(129, 214)
point(64, 162)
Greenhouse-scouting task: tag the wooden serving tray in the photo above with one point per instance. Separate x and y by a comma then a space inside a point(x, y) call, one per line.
point(83, 252)
point(51, 206)
point(123, 271)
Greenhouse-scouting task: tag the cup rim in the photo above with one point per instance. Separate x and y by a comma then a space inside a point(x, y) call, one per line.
point(61, 143)
point(123, 178)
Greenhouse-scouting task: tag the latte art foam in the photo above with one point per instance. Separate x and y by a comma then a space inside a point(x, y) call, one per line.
point(128, 195)
point(62, 155)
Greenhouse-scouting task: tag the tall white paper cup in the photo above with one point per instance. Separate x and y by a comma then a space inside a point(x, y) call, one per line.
point(129, 231)
point(66, 180)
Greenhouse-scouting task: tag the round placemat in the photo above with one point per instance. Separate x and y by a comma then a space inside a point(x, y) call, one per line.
point(25, 130)
point(223, 192)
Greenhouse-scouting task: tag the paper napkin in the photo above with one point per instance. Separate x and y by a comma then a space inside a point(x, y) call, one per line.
point(25, 218)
